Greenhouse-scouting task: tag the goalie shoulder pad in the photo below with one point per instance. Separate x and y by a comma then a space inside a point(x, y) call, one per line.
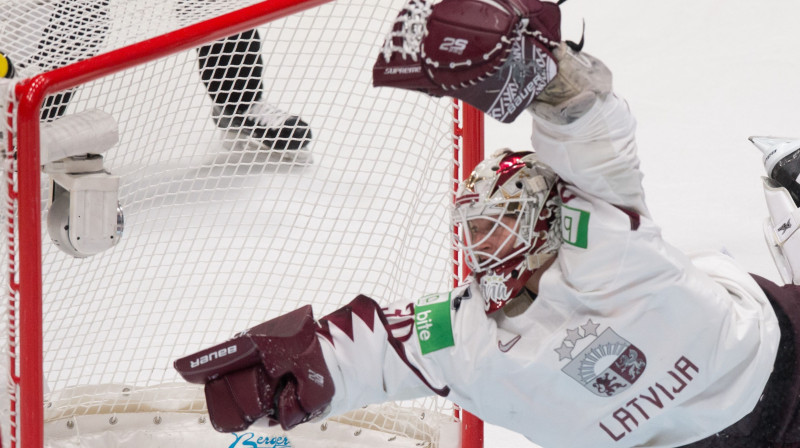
point(494, 54)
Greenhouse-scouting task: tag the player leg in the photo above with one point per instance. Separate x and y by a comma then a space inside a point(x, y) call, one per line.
point(775, 421)
point(782, 193)
point(76, 31)
point(44, 34)
point(781, 414)
point(231, 70)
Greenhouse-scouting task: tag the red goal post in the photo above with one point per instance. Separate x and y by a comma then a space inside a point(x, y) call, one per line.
point(469, 142)
point(34, 269)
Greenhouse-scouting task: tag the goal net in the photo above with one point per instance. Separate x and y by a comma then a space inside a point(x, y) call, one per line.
point(191, 220)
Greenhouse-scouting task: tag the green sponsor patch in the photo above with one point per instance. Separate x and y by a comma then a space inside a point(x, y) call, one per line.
point(575, 226)
point(432, 322)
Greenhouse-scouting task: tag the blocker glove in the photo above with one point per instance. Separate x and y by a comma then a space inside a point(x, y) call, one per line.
point(493, 54)
point(274, 370)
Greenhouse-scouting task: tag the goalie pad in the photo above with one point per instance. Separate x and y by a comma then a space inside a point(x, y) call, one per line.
point(493, 54)
point(274, 370)
point(780, 231)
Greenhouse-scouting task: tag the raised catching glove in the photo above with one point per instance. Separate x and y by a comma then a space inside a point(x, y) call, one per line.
point(493, 54)
point(274, 370)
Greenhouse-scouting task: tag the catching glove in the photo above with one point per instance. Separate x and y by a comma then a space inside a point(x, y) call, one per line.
point(493, 54)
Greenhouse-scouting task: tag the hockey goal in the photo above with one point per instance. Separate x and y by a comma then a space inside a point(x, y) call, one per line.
point(214, 233)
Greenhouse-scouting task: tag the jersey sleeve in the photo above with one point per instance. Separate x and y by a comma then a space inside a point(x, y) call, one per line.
point(597, 153)
point(409, 349)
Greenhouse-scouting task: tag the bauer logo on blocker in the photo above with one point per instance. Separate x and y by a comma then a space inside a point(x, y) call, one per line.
point(212, 356)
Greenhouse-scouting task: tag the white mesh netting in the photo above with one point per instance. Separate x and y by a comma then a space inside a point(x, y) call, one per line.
point(219, 232)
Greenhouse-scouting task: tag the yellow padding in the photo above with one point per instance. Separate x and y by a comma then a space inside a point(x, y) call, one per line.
point(5, 67)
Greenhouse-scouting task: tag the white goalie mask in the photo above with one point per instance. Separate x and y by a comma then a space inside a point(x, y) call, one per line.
point(508, 218)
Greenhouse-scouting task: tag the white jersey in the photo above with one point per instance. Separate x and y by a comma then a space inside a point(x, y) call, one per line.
point(628, 343)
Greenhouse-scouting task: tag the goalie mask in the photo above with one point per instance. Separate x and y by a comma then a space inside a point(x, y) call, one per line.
point(507, 213)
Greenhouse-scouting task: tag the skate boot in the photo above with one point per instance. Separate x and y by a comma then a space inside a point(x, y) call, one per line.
point(263, 126)
point(781, 158)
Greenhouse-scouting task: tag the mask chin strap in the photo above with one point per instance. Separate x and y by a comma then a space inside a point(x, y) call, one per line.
point(535, 261)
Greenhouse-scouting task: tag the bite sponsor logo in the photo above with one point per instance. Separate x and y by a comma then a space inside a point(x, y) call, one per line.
point(208, 357)
point(575, 226)
point(423, 324)
point(432, 322)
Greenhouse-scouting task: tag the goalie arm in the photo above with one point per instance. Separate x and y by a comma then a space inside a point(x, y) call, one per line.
point(586, 133)
point(441, 344)
point(292, 370)
point(372, 355)
point(597, 153)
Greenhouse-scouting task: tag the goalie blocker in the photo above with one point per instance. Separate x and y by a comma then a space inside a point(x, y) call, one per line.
point(493, 54)
point(274, 370)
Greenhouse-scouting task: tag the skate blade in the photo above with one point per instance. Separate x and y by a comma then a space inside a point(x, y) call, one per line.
point(296, 157)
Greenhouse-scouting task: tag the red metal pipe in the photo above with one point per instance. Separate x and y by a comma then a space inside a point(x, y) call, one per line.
point(472, 145)
point(473, 137)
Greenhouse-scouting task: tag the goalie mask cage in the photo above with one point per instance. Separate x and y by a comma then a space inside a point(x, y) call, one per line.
point(219, 233)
